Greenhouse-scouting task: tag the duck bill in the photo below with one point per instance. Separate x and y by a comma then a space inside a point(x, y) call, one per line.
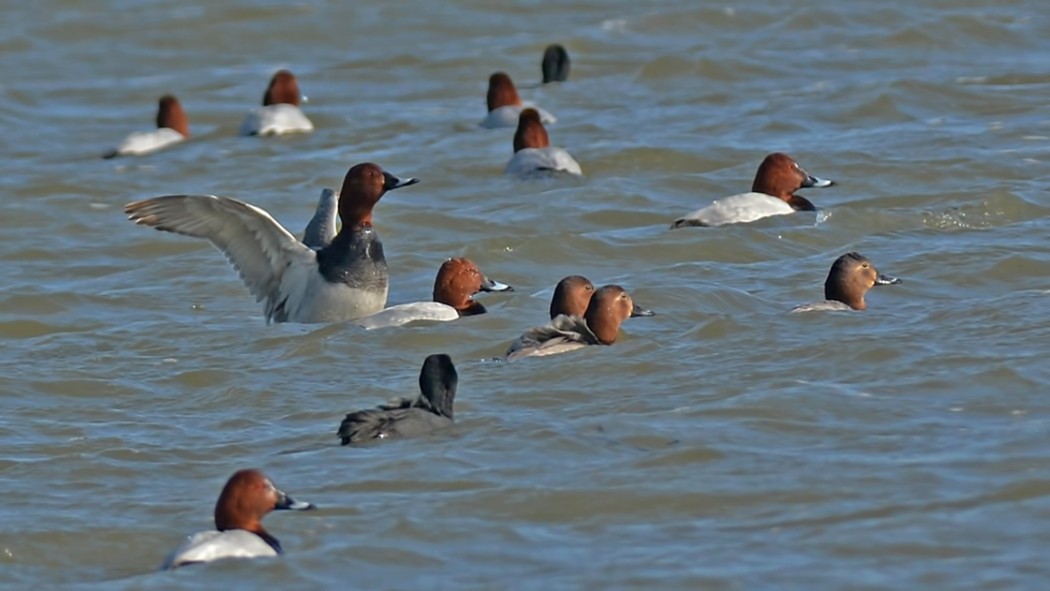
point(391, 182)
point(287, 503)
point(637, 311)
point(812, 181)
point(881, 279)
point(490, 285)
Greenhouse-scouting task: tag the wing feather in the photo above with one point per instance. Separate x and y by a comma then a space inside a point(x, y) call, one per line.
point(258, 247)
point(564, 333)
point(321, 229)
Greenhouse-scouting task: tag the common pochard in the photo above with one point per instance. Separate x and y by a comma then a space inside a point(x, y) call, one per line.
point(247, 497)
point(772, 193)
point(533, 152)
point(505, 105)
point(457, 280)
point(850, 278)
point(280, 113)
point(172, 127)
point(344, 280)
point(600, 325)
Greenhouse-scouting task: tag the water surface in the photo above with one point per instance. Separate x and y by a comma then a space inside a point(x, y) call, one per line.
point(722, 444)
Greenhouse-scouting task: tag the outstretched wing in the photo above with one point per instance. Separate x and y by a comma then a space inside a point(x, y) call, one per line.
point(321, 229)
point(255, 244)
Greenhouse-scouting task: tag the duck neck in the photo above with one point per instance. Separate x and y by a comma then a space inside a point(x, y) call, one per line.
point(800, 203)
point(269, 539)
point(439, 399)
point(833, 293)
point(254, 526)
point(470, 308)
point(605, 329)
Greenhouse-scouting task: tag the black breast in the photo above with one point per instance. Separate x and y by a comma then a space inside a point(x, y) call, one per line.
point(354, 257)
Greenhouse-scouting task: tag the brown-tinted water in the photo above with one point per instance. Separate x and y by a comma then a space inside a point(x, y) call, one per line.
point(722, 444)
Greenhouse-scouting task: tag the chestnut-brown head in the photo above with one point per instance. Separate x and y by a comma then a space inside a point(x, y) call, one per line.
point(283, 89)
point(780, 176)
point(363, 187)
point(457, 280)
point(247, 497)
point(170, 114)
point(530, 133)
point(608, 308)
point(502, 91)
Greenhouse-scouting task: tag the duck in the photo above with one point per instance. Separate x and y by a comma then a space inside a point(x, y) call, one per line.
point(280, 113)
point(247, 497)
point(409, 417)
point(571, 297)
point(533, 152)
point(555, 64)
point(457, 280)
point(850, 278)
point(505, 105)
point(600, 324)
point(172, 128)
point(772, 193)
point(344, 280)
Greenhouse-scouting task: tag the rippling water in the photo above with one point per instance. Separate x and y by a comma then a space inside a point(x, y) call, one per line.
point(722, 444)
